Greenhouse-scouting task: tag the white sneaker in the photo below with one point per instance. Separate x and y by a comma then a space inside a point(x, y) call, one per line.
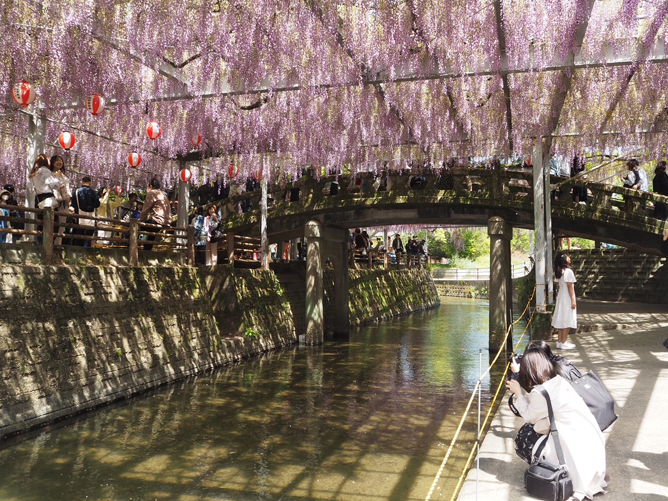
point(567, 345)
point(558, 345)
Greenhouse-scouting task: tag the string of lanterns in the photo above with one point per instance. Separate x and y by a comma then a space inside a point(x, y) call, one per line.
point(24, 94)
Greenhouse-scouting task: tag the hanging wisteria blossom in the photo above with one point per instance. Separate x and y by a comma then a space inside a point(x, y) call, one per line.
point(364, 84)
point(95, 104)
point(134, 159)
point(153, 130)
point(66, 140)
point(23, 93)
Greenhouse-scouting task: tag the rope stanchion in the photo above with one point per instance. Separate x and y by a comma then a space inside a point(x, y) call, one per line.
point(475, 388)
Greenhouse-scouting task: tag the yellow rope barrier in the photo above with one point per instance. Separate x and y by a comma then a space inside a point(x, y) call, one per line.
point(460, 482)
point(475, 388)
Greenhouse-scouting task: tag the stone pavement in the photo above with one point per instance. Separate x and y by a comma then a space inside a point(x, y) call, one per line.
point(622, 343)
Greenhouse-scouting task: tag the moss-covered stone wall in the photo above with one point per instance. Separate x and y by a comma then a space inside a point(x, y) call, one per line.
point(72, 338)
point(381, 294)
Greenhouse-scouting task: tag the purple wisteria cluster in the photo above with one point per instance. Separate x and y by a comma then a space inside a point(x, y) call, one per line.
point(275, 85)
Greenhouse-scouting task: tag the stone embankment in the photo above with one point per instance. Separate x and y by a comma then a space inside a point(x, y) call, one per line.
point(73, 338)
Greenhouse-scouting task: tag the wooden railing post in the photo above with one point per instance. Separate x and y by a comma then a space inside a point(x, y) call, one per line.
point(230, 248)
point(47, 235)
point(133, 245)
point(190, 245)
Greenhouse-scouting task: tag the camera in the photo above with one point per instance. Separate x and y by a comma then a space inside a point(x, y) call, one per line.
point(515, 376)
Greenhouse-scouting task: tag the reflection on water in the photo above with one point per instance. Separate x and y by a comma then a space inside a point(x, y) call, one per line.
point(367, 419)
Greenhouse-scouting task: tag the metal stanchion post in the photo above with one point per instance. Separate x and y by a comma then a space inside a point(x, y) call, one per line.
point(477, 471)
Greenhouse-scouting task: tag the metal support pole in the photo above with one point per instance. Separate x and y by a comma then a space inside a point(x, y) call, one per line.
point(549, 283)
point(477, 472)
point(36, 145)
point(184, 203)
point(539, 222)
point(264, 241)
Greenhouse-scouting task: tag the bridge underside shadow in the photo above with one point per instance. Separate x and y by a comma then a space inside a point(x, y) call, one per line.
point(626, 230)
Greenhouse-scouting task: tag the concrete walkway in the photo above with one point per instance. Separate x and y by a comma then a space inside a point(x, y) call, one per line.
point(622, 343)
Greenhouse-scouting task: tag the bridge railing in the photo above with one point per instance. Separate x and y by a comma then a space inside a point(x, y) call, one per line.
point(512, 185)
point(457, 274)
point(54, 229)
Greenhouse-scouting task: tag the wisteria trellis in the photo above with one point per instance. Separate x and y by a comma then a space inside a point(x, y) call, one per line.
point(373, 81)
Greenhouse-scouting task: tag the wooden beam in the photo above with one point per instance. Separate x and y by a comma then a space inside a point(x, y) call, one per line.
point(501, 35)
point(567, 73)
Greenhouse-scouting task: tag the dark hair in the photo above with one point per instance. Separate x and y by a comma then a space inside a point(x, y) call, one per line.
point(133, 194)
point(632, 163)
point(545, 348)
point(535, 368)
point(53, 159)
point(154, 183)
point(661, 166)
point(9, 188)
point(86, 179)
point(199, 210)
point(560, 264)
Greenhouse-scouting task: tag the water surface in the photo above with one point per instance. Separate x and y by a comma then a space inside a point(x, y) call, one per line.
point(368, 419)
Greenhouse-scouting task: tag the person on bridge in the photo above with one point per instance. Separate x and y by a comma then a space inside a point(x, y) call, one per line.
point(660, 187)
point(565, 315)
point(156, 210)
point(631, 180)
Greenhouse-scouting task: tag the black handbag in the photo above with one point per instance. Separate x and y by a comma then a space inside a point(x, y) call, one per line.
point(597, 398)
point(547, 481)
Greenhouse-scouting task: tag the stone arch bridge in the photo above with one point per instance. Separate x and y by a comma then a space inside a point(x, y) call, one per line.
point(323, 211)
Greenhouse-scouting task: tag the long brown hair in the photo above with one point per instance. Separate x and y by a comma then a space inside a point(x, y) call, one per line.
point(41, 161)
point(535, 368)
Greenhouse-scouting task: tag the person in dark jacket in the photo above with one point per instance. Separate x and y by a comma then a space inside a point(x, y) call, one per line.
point(85, 201)
point(660, 186)
point(579, 191)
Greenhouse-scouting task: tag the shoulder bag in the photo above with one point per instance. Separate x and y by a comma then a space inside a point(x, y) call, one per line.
point(544, 480)
point(597, 398)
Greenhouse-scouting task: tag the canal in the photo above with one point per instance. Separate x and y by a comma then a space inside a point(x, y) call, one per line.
point(366, 419)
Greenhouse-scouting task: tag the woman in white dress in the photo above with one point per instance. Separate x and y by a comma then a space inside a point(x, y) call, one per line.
point(565, 315)
point(579, 434)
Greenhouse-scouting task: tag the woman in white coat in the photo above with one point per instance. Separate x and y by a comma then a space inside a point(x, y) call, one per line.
point(579, 434)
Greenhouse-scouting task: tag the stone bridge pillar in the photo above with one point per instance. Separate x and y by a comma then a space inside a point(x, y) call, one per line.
point(315, 325)
point(500, 282)
point(336, 249)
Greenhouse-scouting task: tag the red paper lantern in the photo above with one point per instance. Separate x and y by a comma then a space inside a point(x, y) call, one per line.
point(118, 190)
point(233, 171)
point(134, 159)
point(66, 140)
point(185, 175)
point(153, 130)
point(23, 93)
point(257, 175)
point(95, 104)
point(195, 139)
